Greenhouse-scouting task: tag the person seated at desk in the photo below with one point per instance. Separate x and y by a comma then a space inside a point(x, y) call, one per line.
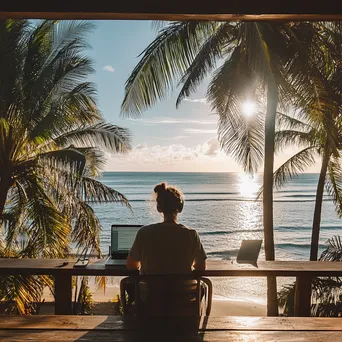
point(167, 247)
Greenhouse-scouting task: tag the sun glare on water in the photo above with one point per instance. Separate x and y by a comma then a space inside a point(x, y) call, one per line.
point(248, 109)
point(248, 187)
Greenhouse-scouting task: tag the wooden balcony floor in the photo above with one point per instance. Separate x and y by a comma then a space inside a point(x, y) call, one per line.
point(117, 328)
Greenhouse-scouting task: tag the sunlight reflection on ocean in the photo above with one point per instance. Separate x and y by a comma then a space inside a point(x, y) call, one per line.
point(223, 209)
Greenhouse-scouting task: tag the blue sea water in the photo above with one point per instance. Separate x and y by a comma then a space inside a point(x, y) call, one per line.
point(223, 208)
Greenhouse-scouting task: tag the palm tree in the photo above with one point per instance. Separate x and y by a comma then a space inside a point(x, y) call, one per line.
point(51, 153)
point(316, 129)
point(255, 57)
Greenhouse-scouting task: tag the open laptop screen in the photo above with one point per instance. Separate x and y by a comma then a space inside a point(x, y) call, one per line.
point(122, 237)
point(249, 252)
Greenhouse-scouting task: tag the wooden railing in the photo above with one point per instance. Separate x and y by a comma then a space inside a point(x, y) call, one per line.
point(63, 270)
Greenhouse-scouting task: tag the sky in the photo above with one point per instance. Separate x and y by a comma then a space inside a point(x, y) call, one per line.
point(164, 138)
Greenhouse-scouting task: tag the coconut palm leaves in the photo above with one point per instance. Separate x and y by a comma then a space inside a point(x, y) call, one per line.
point(245, 60)
point(53, 140)
point(316, 129)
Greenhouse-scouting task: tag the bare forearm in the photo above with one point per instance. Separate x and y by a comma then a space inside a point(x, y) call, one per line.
point(132, 264)
point(200, 266)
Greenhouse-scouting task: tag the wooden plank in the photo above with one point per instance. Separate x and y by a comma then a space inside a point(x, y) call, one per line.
point(215, 268)
point(233, 336)
point(272, 268)
point(302, 300)
point(173, 9)
point(204, 323)
point(168, 16)
point(63, 294)
point(14, 263)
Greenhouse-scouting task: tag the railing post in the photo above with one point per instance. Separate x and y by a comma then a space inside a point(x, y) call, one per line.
point(63, 293)
point(302, 301)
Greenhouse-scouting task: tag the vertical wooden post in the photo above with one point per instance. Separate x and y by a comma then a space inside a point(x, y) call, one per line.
point(302, 301)
point(63, 293)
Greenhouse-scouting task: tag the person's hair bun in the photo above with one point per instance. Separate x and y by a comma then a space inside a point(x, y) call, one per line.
point(160, 187)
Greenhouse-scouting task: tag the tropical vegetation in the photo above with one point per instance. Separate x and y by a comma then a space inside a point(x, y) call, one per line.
point(266, 62)
point(326, 300)
point(53, 143)
point(315, 129)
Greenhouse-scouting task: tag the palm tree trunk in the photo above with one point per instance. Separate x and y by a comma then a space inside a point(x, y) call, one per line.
point(318, 208)
point(272, 101)
point(317, 220)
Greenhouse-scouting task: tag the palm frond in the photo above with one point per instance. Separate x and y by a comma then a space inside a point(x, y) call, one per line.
point(245, 142)
point(293, 166)
point(218, 42)
point(75, 107)
point(163, 63)
point(23, 292)
point(101, 282)
point(15, 229)
point(334, 184)
point(288, 137)
point(67, 158)
point(66, 31)
point(95, 161)
point(110, 137)
point(86, 229)
point(48, 230)
point(333, 251)
point(158, 25)
point(96, 192)
point(229, 86)
point(13, 36)
point(287, 122)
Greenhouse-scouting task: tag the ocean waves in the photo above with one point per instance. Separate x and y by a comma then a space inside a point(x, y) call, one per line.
point(230, 232)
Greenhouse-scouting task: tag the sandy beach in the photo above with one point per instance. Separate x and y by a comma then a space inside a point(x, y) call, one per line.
point(221, 306)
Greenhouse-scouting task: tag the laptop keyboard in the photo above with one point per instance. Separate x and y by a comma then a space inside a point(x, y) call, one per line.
point(120, 255)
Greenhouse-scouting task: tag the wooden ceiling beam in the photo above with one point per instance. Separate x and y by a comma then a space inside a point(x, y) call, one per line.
point(236, 10)
point(169, 17)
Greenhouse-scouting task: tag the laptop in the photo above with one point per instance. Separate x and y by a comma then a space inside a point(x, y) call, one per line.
point(121, 240)
point(249, 252)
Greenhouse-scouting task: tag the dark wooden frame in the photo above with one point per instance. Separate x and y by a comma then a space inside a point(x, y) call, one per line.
point(174, 10)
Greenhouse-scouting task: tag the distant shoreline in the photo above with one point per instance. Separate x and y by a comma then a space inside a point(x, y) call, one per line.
point(197, 172)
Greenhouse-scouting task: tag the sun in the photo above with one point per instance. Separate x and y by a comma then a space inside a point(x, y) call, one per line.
point(248, 186)
point(248, 109)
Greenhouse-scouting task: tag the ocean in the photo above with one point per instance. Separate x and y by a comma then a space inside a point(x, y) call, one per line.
point(224, 210)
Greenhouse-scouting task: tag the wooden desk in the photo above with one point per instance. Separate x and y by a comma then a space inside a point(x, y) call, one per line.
point(302, 270)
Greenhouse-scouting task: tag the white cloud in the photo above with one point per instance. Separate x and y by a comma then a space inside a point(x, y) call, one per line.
point(164, 120)
point(200, 131)
point(175, 157)
point(211, 147)
point(202, 100)
point(173, 138)
point(108, 68)
point(140, 147)
point(206, 157)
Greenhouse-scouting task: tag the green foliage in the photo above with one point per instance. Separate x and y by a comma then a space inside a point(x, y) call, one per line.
point(84, 298)
point(241, 59)
point(326, 297)
point(52, 144)
point(117, 305)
